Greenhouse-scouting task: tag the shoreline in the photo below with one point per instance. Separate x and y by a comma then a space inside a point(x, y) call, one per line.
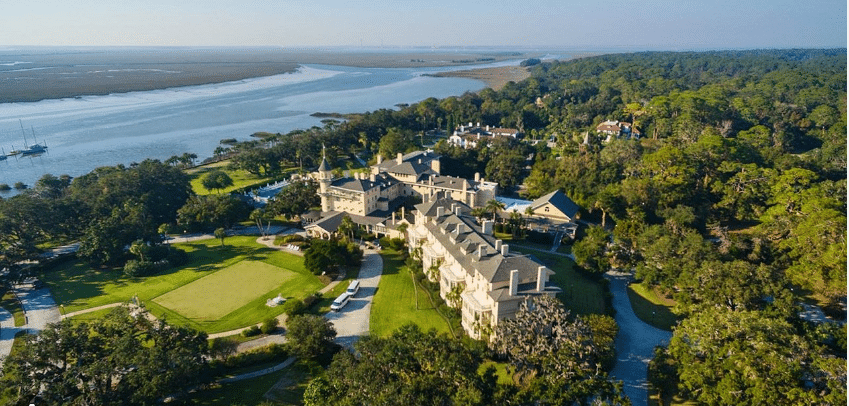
point(495, 78)
point(145, 70)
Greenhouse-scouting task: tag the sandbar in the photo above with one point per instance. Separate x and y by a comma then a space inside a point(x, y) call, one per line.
point(68, 73)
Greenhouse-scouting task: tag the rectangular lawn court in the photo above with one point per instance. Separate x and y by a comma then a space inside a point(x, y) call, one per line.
point(217, 295)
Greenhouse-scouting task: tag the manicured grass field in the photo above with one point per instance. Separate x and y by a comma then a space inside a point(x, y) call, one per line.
point(651, 307)
point(240, 178)
point(214, 296)
point(77, 286)
point(581, 294)
point(395, 301)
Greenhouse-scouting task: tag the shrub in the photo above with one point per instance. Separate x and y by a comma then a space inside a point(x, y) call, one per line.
point(294, 307)
point(540, 238)
point(251, 331)
point(5, 186)
point(139, 268)
point(272, 352)
point(269, 325)
point(20, 185)
point(311, 299)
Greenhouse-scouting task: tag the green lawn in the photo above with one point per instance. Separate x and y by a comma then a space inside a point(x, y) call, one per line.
point(581, 294)
point(12, 305)
point(77, 286)
point(651, 307)
point(398, 302)
point(214, 296)
point(240, 178)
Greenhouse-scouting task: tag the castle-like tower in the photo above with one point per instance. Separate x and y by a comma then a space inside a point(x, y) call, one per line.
point(325, 177)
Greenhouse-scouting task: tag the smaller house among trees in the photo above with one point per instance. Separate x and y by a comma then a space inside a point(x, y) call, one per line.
point(617, 129)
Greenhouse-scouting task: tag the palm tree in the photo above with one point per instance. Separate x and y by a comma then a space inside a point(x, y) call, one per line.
point(220, 233)
point(347, 226)
point(479, 213)
point(494, 206)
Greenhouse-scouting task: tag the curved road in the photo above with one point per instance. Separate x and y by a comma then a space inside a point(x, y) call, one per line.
point(39, 309)
point(353, 320)
point(634, 344)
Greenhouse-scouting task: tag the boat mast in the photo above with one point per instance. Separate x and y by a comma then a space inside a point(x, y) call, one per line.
point(24, 133)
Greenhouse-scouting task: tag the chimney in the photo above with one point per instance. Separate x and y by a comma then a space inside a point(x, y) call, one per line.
point(453, 207)
point(400, 158)
point(440, 211)
point(514, 282)
point(403, 213)
point(379, 159)
point(481, 251)
point(460, 229)
point(457, 210)
point(477, 176)
point(373, 178)
point(425, 197)
point(505, 249)
point(393, 217)
point(487, 227)
point(497, 245)
point(542, 278)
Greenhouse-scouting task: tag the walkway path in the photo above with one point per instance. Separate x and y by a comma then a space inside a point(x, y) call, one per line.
point(92, 309)
point(635, 342)
point(39, 311)
point(7, 333)
point(352, 321)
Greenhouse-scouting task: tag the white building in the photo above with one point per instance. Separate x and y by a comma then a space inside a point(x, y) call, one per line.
point(476, 272)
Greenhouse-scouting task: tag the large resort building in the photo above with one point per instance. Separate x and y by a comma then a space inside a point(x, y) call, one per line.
point(476, 272)
point(370, 199)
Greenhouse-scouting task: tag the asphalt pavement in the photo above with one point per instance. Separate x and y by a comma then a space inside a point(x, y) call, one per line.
point(634, 344)
point(352, 321)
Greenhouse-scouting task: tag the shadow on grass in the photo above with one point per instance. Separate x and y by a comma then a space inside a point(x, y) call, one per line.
point(657, 315)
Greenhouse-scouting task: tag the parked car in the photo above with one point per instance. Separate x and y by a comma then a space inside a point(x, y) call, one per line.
point(340, 301)
point(353, 287)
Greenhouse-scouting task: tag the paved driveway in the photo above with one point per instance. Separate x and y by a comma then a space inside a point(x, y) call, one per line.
point(39, 307)
point(353, 320)
point(634, 344)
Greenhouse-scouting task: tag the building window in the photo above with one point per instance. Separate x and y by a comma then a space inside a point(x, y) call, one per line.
point(546, 209)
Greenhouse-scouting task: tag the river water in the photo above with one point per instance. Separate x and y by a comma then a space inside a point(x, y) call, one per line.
point(91, 131)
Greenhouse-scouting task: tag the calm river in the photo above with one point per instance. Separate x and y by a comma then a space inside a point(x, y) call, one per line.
point(91, 131)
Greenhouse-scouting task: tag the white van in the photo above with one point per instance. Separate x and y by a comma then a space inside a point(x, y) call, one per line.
point(340, 301)
point(353, 287)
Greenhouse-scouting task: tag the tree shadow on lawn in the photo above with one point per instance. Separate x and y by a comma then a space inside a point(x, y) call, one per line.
point(76, 283)
point(656, 315)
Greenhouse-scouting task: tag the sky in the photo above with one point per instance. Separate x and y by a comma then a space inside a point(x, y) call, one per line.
point(636, 25)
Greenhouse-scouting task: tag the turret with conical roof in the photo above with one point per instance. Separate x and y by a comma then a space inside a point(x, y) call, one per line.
point(325, 177)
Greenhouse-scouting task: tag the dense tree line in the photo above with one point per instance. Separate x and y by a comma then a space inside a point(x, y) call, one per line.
point(123, 358)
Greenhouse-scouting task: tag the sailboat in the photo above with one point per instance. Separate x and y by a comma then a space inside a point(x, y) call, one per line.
point(3, 155)
point(35, 149)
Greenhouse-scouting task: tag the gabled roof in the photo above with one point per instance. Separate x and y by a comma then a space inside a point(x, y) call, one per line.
point(560, 201)
point(412, 168)
point(330, 222)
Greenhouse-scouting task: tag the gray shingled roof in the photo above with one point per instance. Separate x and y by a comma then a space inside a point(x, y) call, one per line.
point(324, 165)
point(559, 200)
point(359, 185)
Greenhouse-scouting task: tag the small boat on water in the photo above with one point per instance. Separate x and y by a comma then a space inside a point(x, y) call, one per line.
point(35, 150)
point(14, 151)
point(3, 155)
